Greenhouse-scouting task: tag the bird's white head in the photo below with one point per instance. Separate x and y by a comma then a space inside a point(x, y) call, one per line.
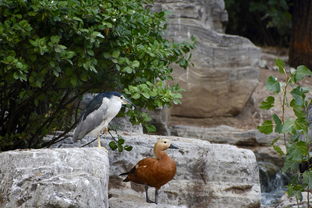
point(120, 97)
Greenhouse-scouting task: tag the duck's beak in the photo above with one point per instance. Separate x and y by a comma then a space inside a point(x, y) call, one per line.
point(173, 147)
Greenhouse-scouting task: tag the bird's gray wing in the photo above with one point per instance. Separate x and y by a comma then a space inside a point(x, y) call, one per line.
point(94, 104)
point(91, 118)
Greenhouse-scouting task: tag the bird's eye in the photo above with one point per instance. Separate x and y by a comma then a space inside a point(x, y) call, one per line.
point(165, 142)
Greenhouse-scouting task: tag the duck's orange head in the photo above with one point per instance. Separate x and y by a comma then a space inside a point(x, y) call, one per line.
point(163, 144)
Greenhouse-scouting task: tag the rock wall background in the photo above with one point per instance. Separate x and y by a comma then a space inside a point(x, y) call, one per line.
point(224, 72)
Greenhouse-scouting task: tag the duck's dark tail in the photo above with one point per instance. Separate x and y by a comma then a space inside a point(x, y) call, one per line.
point(126, 179)
point(124, 174)
point(132, 171)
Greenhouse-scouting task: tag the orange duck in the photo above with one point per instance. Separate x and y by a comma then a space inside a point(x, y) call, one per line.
point(154, 172)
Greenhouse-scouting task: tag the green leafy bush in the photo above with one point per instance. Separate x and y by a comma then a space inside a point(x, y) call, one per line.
point(264, 22)
point(51, 52)
point(293, 131)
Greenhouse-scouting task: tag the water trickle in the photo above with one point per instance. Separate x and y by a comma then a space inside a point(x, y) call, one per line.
point(273, 183)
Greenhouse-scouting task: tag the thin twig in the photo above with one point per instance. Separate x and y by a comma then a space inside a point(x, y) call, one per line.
point(89, 142)
point(308, 199)
point(283, 106)
point(112, 135)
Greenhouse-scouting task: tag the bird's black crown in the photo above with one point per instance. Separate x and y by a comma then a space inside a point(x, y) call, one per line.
point(110, 94)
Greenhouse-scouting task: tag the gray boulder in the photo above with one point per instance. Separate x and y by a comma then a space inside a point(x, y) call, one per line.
point(259, 143)
point(63, 178)
point(208, 175)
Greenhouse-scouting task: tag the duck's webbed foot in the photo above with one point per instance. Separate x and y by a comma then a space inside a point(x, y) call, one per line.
point(146, 195)
point(150, 201)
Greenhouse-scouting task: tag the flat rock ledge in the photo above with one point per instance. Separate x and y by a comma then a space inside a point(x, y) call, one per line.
point(63, 178)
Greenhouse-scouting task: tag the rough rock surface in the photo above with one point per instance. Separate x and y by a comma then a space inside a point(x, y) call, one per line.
point(250, 139)
point(208, 175)
point(286, 202)
point(225, 71)
point(135, 201)
point(63, 178)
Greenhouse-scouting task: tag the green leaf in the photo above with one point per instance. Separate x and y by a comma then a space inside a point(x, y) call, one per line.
point(266, 127)
point(55, 39)
point(267, 103)
point(301, 124)
point(278, 123)
point(128, 69)
point(273, 85)
point(301, 72)
point(278, 150)
point(298, 110)
point(136, 96)
point(120, 148)
point(115, 53)
point(295, 190)
point(299, 95)
point(128, 148)
point(146, 95)
point(307, 178)
point(135, 64)
point(287, 127)
point(74, 81)
point(281, 66)
point(297, 151)
point(275, 140)
point(113, 145)
point(106, 55)
point(100, 35)
point(150, 128)
point(121, 141)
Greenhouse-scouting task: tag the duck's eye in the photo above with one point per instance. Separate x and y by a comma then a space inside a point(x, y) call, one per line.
point(165, 142)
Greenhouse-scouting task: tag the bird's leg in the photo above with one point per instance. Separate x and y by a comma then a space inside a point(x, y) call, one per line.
point(99, 143)
point(104, 130)
point(146, 195)
point(156, 195)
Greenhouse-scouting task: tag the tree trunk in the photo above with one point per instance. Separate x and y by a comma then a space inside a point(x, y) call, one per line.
point(300, 52)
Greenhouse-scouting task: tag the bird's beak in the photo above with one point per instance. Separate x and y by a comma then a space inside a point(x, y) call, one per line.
point(173, 147)
point(125, 101)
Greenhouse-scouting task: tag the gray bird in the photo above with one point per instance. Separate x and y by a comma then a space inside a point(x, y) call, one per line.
point(98, 113)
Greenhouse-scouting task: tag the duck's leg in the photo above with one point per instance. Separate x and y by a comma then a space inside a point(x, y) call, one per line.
point(156, 195)
point(146, 195)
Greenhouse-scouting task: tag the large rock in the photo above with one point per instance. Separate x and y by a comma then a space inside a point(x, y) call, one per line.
point(62, 178)
point(252, 139)
point(269, 162)
point(208, 175)
point(225, 71)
